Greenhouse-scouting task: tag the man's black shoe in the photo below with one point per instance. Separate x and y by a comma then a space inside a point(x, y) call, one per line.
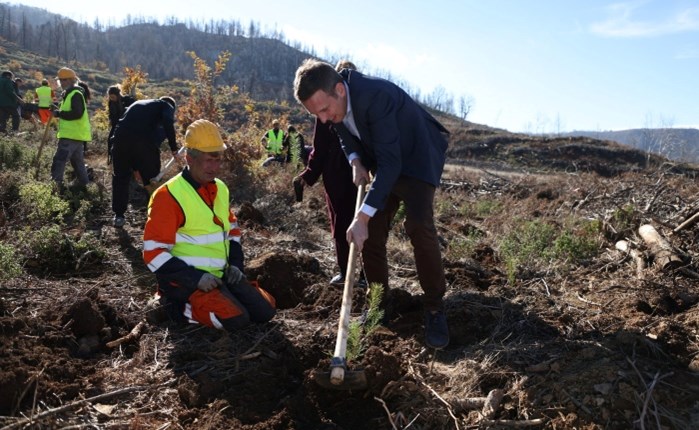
point(338, 280)
point(436, 329)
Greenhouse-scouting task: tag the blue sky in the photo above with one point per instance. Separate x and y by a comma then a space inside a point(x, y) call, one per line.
point(542, 66)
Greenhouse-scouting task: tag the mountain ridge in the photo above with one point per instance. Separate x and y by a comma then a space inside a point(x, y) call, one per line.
point(679, 144)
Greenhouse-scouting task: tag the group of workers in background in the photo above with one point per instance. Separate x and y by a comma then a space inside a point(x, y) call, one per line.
point(367, 131)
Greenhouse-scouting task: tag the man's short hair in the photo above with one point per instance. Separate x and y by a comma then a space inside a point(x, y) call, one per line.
point(314, 75)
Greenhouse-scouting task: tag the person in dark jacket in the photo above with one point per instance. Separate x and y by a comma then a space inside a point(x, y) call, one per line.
point(327, 160)
point(136, 147)
point(117, 105)
point(8, 102)
point(385, 132)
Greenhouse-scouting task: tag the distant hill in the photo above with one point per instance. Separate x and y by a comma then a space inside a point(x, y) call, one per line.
point(485, 147)
point(679, 144)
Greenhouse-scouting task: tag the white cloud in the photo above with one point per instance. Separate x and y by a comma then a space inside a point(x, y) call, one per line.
point(623, 21)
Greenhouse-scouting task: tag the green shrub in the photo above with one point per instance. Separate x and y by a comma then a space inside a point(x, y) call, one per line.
point(84, 202)
point(40, 203)
point(462, 247)
point(528, 241)
point(10, 182)
point(13, 155)
point(481, 208)
point(485, 207)
point(49, 250)
point(9, 261)
point(624, 219)
point(534, 242)
point(579, 244)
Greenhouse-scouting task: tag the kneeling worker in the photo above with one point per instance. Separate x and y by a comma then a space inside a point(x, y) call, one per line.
point(191, 241)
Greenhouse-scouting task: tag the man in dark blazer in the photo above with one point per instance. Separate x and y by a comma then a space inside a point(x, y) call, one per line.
point(385, 132)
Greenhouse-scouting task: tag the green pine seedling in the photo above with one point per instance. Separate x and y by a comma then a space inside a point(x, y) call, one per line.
point(358, 331)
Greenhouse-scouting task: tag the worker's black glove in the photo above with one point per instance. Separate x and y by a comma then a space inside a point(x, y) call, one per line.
point(208, 282)
point(56, 113)
point(232, 275)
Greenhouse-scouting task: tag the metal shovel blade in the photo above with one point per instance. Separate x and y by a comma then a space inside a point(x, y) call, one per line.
point(353, 380)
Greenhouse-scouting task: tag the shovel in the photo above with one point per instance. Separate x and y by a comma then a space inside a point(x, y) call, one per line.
point(158, 180)
point(339, 378)
point(44, 139)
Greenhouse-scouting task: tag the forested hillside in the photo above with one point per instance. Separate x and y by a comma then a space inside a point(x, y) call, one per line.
point(260, 65)
point(262, 62)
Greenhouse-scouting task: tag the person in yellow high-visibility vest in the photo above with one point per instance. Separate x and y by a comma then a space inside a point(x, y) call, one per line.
point(273, 141)
point(44, 95)
point(192, 242)
point(73, 129)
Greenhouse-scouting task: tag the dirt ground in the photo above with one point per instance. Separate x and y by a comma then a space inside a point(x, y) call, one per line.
point(599, 345)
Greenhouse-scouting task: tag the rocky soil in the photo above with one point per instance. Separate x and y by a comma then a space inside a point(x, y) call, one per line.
point(596, 344)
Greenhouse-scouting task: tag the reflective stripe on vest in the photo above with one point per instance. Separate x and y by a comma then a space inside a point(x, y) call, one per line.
point(200, 242)
point(274, 143)
point(76, 129)
point(44, 93)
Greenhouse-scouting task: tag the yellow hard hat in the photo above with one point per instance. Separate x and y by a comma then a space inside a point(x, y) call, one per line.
point(66, 73)
point(204, 136)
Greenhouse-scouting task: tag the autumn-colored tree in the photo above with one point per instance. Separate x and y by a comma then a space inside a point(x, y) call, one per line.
point(202, 102)
point(132, 78)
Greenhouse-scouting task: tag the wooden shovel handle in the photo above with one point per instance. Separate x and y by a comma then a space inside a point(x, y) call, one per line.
point(44, 138)
point(343, 324)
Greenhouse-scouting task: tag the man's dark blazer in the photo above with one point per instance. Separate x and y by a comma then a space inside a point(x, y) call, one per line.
point(398, 137)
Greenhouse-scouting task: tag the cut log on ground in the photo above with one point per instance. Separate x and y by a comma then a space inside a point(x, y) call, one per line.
point(660, 249)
